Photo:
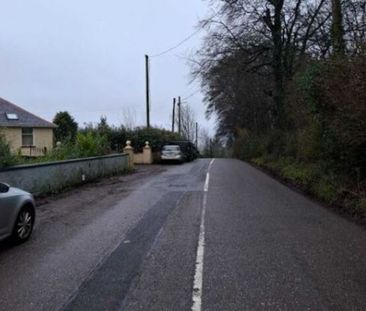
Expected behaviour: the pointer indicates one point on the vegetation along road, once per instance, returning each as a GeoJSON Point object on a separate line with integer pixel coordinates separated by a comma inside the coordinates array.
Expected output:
{"type": "Point", "coordinates": [208, 235]}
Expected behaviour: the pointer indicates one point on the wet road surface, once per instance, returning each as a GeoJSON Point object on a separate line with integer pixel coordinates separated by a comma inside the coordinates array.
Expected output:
{"type": "Point", "coordinates": [233, 239]}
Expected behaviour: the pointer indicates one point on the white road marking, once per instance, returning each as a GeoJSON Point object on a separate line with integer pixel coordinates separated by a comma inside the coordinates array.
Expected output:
{"type": "Point", "coordinates": [198, 276]}
{"type": "Point", "coordinates": [209, 166]}
{"type": "Point", "coordinates": [205, 187]}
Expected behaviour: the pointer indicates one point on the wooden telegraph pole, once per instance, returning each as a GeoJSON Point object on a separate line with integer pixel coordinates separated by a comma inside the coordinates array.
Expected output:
{"type": "Point", "coordinates": [179, 116]}
{"type": "Point", "coordinates": [147, 91]}
{"type": "Point", "coordinates": [173, 118]}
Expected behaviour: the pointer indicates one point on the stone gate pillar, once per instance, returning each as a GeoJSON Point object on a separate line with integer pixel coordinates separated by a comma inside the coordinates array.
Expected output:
{"type": "Point", "coordinates": [147, 154]}
{"type": "Point", "coordinates": [129, 150]}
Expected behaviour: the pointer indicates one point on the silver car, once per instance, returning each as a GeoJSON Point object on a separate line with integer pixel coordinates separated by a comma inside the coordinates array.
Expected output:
{"type": "Point", "coordinates": [172, 153]}
{"type": "Point", "coordinates": [17, 214]}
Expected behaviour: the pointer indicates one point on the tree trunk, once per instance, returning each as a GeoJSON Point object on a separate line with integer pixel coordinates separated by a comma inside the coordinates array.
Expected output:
{"type": "Point", "coordinates": [337, 28]}
{"type": "Point", "coordinates": [275, 24]}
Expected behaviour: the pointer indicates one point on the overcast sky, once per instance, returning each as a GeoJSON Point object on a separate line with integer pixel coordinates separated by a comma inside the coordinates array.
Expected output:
{"type": "Point", "coordinates": [87, 57]}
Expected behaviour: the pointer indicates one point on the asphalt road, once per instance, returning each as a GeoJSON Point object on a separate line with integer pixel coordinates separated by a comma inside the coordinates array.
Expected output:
{"type": "Point", "coordinates": [233, 239]}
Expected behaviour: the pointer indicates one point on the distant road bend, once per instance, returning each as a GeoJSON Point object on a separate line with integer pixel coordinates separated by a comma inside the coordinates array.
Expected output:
{"type": "Point", "coordinates": [208, 235]}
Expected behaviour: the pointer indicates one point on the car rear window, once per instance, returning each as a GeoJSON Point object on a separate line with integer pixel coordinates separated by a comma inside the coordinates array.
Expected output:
{"type": "Point", "coordinates": [171, 148]}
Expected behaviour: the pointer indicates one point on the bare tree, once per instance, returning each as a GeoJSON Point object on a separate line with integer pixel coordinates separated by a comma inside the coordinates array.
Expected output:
{"type": "Point", "coordinates": [254, 48]}
{"type": "Point", "coordinates": [204, 141]}
{"type": "Point", "coordinates": [273, 37]}
{"type": "Point", "coordinates": [188, 122]}
{"type": "Point", "coordinates": [129, 118]}
{"type": "Point", "coordinates": [355, 26]}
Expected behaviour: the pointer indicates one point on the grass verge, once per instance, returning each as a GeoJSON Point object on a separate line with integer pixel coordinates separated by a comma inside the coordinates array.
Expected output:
{"type": "Point", "coordinates": [336, 190]}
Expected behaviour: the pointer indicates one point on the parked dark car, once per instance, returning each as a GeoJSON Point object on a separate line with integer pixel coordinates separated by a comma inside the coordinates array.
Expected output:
{"type": "Point", "coordinates": [17, 214]}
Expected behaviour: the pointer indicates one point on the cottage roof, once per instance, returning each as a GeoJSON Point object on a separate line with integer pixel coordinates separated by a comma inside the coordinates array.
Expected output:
{"type": "Point", "coordinates": [13, 116]}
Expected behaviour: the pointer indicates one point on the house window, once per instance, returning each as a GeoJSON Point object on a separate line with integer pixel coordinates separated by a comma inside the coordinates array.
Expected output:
{"type": "Point", "coordinates": [27, 136]}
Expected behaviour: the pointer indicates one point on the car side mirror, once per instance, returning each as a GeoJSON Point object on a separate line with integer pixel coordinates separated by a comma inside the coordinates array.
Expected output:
{"type": "Point", "coordinates": [4, 188]}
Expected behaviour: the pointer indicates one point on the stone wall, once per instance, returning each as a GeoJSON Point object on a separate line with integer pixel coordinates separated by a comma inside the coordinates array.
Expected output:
{"type": "Point", "coordinates": [54, 176]}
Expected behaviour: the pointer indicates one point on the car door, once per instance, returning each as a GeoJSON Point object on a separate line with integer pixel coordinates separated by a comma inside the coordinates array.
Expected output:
{"type": "Point", "coordinates": [7, 206]}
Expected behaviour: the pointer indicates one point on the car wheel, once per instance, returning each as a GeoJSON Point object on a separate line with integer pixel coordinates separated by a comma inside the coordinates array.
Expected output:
{"type": "Point", "coordinates": [24, 225]}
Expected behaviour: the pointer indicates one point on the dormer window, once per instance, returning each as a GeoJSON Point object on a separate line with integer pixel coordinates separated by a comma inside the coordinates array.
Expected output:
{"type": "Point", "coordinates": [12, 116]}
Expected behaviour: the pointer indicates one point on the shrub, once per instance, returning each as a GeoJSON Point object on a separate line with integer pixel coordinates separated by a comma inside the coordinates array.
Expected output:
{"type": "Point", "coordinates": [309, 142]}
{"type": "Point", "coordinates": [6, 158]}
{"type": "Point", "coordinates": [276, 143]}
{"type": "Point", "coordinates": [117, 136]}
{"type": "Point", "coordinates": [248, 146]}
{"type": "Point", "coordinates": [155, 136]}
{"type": "Point", "coordinates": [343, 91]}
{"type": "Point", "coordinates": [91, 144]}
{"type": "Point", "coordinates": [88, 144]}
{"type": "Point", "coordinates": [328, 109]}
{"type": "Point", "coordinates": [326, 191]}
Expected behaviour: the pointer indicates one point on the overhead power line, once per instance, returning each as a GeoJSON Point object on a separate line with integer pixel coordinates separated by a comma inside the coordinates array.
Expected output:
{"type": "Point", "coordinates": [178, 45]}
{"type": "Point", "coordinates": [191, 95]}
{"type": "Point", "coordinates": [185, 39]}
